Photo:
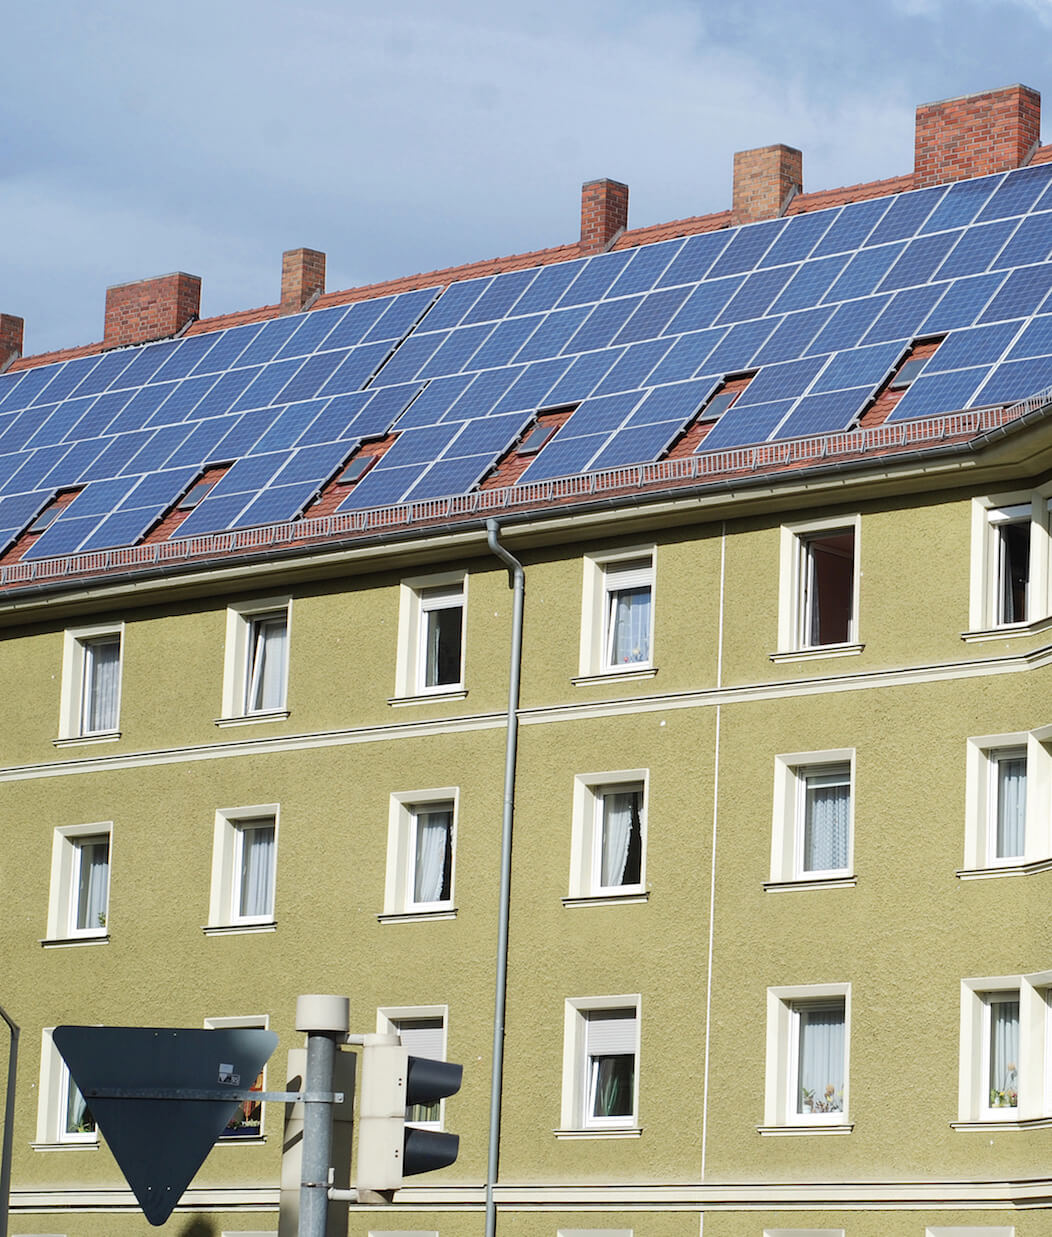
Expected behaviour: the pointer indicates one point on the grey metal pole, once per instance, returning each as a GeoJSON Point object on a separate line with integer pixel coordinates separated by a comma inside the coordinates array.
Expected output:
{"type": "Point", "coordinates": [9, 1123]}
{"type": "Point", "coordinates": [325, 1019]}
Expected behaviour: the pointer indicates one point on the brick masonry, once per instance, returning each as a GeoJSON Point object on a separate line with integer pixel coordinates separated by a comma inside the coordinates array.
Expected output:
{"type": "Point", "coordinates": [765, 181]}
{"type": "Point", "coordinates": [976, 135]}
{"type": "Point", "coordinates": [11, 329]}
{"type": "Point", "coordinates": [604, 213]}
{"type": "Point", "coordinates": [302, 278]}
{"type": "Point", "coordinates": [151, 308]}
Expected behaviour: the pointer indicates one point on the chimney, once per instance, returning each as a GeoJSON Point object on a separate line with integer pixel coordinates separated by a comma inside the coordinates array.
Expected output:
{"type": "Point", "coordinates": [976, 135]}
{"type": "Point", "coordinates": [151, 308]}
{"type": "Point", "coordinates": [10, 339]}
{"type": "Point", "coordinates": [302, 278]}
{"type": "Point", "coordinates": [765, 181]}
{"type": "Point", "coordinates": [604, 213]}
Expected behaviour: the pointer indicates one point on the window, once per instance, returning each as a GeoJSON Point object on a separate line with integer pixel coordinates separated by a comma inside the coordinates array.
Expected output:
{"type": "Point", "coordinates": [600, 1069]}
{"type": "Point", "coordinates": [423, 1032]}
{"type": "Point", "coordinates": [91, 683]}
{"type": "Point", "coordinates": [255, 682]}
{"type": "Point", "coordinates": [80, 883]}
{"type": "Point", "coordinates": [908, 373]}
{"type": "Point", "coordinates": [807, 1057]}
{"type": "Point", "coordinates": [812, 839]}
{"type": "Point", "coordinates": [420, 853]}
{"type": "Point", "coordinates": [62, 1114]}
{"type": "Point", "coordinates": [819, 586]}
{"type": "Point", "coordinates": [1010, 561]}
{"type": "Point", "coordinates": [247, 1122]}
{"type": "Point", "coordinates": [243, 868]}
{"type": "Point", "coordinates": [617, 632]}
{"type": "Point", "coordinates": [609, 836]}
{"type": "Point", "coordinates": [1008, 808]}
{"type": "Point", "coordinates": [431, 637]}
{"type": "Point", "coordinates": [1006, 1058]}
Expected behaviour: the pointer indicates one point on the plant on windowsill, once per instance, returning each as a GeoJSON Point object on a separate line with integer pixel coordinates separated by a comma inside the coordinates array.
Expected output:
{"type": "Point", "coordinates": [831, 1100]}
{"type": "Point", "coordinates": [102, 919]}
{"type": "Point", "coordinates": [1008, 1096]}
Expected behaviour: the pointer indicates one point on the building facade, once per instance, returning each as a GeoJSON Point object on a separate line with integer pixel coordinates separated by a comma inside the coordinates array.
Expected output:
{"type": "Point", "coordinates": [778, 959]}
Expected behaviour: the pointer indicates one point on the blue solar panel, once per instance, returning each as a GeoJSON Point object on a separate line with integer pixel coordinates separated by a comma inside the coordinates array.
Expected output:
{"type": "Point", "coordinates": [242, 435]}
{"type": "Point", "coordinates": [356, 324]}
{"type": "Point", "coordinates": [202, 442]}
{"type": "Point", "coordinates": [686, 356]}
{"type": "Point", "coordinates": [420, 446]}
{"type": "Point", "coordinates": [704, 303]}
{"type": "Point", "coordinates": [291, 423]}
{"type": "Point", "coordinates": [250, 473]}
{"type": "Point", "coordinates": [156, 449]}
{"type": "Point", "coordinates": [358, 367]}
{"type": "Point", "coordinates": [824, 414]}
{"type": "Point", "coordinates": [270, 340]}
{"type": "Point", "coordinates": [1021, 294]}
{"type": "Point", "coordinates": [1031, 242]}
{"type": "Point", "coordinates": [749, 425]}
{"type": "Point", "coordinates": [757, 294]}
{"type": "Point", "coordinates": [651, 318]}
{"type": "Point", "coordinates": [931, 394]}
{"type": "Point", "coordinates": [677, 401]}
{"type": "Point", "coordinates": [435, 401]}
{"type": "Point", "coordinates": [507, 338]}
{"type": "Point", "coordinates": [1015, 380]}
{"type": "Point", "coordinates": [582, 377]}
{"type": "Point", "coordinates": [121, 528]}
{"type": "Point", "coordinates": [919, 261]}
{"type": "Point", "coordinates": [852, 226]}
{"type": "Point", "coordinates": [860, 367]}
{"type": "Point", "coordinates": [905, 215]}
{"type": "Point", "coordinates": [500, 296]}
{"type": "Point", "coordinates": [276, 505]}
{"type": "Point", "coordinates": [218, 398]}
{"type": "Point", "coordinates": [63, 537]}
{"type": "Point", "coordinates": [71, 468]}
{"type": "Point", "coordinates": [961, 204]}
{"type": "Point", "coordinates": [636, 444]}
{"type": "Point", "coordinates": [739, 346]}
{"type": "Point", "coordinates": [801, 235]}
{"type": "Point", "coordinates": [1019, 191]}
{"type": "Point", "coordinates": [312, 375]}
{"type": "Point", "coordinates": [121, 449]}
{"type": "Point", "coordinates": [62, 419]}
{"type": "Point", "coordinates": [791, 338]}
{"type": "Point", "coordinates": [98, 498]}
{"type": "Point", "coordinates": [809, 284]}
{"type": "Point", "coordinates": [902, 318]}
{"type": "Point", "coordinates": [141, 408]}
{"type": "Point", "coordinates": [23, 393]}
{"type": "Point", "coordinates": [106, 412]}
{"type": "Point", "coordinates": [19, 509]}
{"type": "Point", "coordinates": [315, 464]}
{"type": "Point", "coordinates": [695, 257]}
{"type": "Point", "coordinates": [160, 489]}
{"type": "Point", "coordinates": [8, 382]}
{"type": "Point", "coordinates": [775, 382]}
{"type": "Point", "coordinates": [184, 398]}
{"type": "Point", "coordinates": [1036, 340]}
{"type": "Point", "coordinates": [455, 351]}
{"type": "Point", "coordinates": [562, 457]}
{"type": "Point", "coordinates": [454, 303]}
{"type": "Point", "coordinates": [530, 389]}
{"type": "Point", "coordinates": [382, 486]}
{"type": "Point", "coordinates": [225, 353]}
{"type": "Point", "coordinates": [20, 430]}
{"type": "Point", "coordinates": [551, 336]}
{"type": "Point", "coordinates": [646, 267]}
{"type": "Point", "coordinates": [146, 363]}
{"type": "Point", "coordinates": [453, 476]}
{"type": "Point", "coordinates": [408, 358]}
{"type": "Point", "coordinates": [595, 277]}
{"type": "Point", "coordinates": [380, 413]}
{"type": "Point", "coordinates": [105, 373]}
{"type": "Point", "coordinates": [747, 248]}
{"type": "Point", "coordinates": [482, 396]}
{"type": "Point", "coordinates": [212, 515]}
{"type": "Point", "coordinates": [488, 435]}
{"type": "Point", "coordinates": [602, 324]}
{"type": "Point", "coordinates": [975, 346]}
{"type": "Point", "coordinates": [547, 288]}
{"type": "Point", "coordinates": [600, 415]}
{"type": "Point", "coordinates": [184, 358]}
{"type": "Point", "coordinates": [962, 303]}
{"type": "Point", "coordinates": [65, 380]}
{"type": "Point", "coordinates": [864, 271]}
{"type": "Point", "coordinates": [976, 249]}
{"type": "Point", "coordinates": [263, 389]}
{"type": "Point", "coordinates": [313, 328]}
{"type": "Point", "coordinates": [634, 366]}
{"type": "Point", "coordinates": [402, 313]}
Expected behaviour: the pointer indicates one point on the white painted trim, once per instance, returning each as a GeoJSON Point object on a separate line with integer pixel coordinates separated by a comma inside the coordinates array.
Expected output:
{"type": "Point", "coordinates": [409, 668]}
{"type": "Point", "coordinates": [398, 905]}
{"type": "Point", "coordinates": [792, 565]}
{"type": "Point", "coordinates": [593, 664]}
{"type": "Point", "coordinates": [573, 1102]}
{"type": "Point", "coordinates": [222, 904]}
{"type": "Point", "coordinates": [779, 1104]}
{"type": "Point", "coordinates": [71, 701]}
{"type": "Point", "coordinates": [64, 884]}
{"type": "Point", "coordinates": [586, 833]}
{"type": "Point", "coordinates": [398, 702]}
{"type": "Point", "coordinates": [790, 771]}
{"type": "Point", "coordinates": [239, 618]}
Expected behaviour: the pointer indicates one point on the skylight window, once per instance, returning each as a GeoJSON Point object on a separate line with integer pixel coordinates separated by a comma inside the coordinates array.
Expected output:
{"type": "Point", "coordinates": [535, 439]}
{"type": "Point", "coordinates": [195, 494]}
{"type": "Point", "coordinates": [718, 405]}
{"type": "Point", "coordinates": [356, 469]}
{"type": "Point", "coordinates": [44, 520]}
{"type": "Point", "coordinates": [908, 373]}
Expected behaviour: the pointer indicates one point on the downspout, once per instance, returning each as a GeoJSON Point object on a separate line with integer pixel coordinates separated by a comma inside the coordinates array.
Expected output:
{"type": "Point", "coordinates": [516, 581]}
{"type": "Point", "coordinates": [9, 1124]}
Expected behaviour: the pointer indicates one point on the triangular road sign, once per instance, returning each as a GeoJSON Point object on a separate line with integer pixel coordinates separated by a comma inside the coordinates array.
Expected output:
{"type": "Point", "coordinates": [160, 1144]}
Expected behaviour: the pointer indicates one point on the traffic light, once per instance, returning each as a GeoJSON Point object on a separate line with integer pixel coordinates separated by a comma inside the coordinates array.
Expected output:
{"type": "Point", "coordinates": [392, 1083]}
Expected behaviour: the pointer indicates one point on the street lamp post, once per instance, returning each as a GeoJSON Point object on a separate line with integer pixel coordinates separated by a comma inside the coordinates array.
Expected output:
{"type": "Point", "coordinates": [9, 1121]}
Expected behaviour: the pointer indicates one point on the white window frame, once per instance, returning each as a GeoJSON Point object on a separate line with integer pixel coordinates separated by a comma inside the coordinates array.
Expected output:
{"type": "Point", "coordinates": [989, 515]}
{"type": "Point", "coordinates": [1034, 1067]}
{"type": "Point", "coordinates": [417, 597]}
{"type": "Point", "coordinates": [587, 837]}
{"type": "Point", "coordinates": [256, 1022]}
{"type": "Point", "coordinates": [983, 754]}
{"type": "Point", "coordinates": [241, 618]}
{"type": "Point", "coordinates": [399, 882]}
{"type": "Point", "coordinates": [576, 1123]}
{"type": "Point", "coordinates": [604, 575]}
{"type": "Point", "coordinates": [791, 771]}
{"type": "Point", "coordinates": [389, 1021]}
{"type": "Point", "coordinates": [66, 879]}
{"type": "Point", "coordinates": [53, 1101]}
{"type": "Point", "coordinates": [784, 1005]}
{"type": "Point", "coordinates": [794, 596]}
{"type": "Point", "coordinates": [224, 914]}
{"type": "Point", "coordinates": [76, 662]}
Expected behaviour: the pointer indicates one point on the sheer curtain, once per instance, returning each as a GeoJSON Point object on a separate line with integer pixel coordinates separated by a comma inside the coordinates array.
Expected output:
{"type": "Point", "coordinates": [431, 861]}
{"type": "Point", "coordinates": [820, 1078]}
{"type": "Point", "coordinates": [78, 1116]}
{"type": "Point", "coordinates": [827, 813]}
{"type": "Point", "coordinates": [102, 660]}
{"type": "Point", "coordinates": [94, 883]}
{"type": "Point", "coordinates": [257, 869]}
{"type": "Point", "coordinates": [1004, 1053]}
{"type": "Point", "coordinates": [620, 854]}
{"type": "Point", "coordinates": [1011, 806]}
{"type": "Point", "coordinates": [630, 625]}
{"type": "Point", "coordinates": [266, 687]}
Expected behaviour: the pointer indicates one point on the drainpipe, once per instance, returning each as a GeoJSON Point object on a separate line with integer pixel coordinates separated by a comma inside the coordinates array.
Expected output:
{"type": "Point", "coordinates": [516, 581]}
{"type": "Point", "coordinates": [9, 1123]}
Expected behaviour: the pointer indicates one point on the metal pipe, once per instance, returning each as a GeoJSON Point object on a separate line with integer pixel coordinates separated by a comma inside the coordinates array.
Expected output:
{"type": "Point", "coordinates": [9, 1123]}
{"type": "Point", "coordinates": [516, 581]}
{"type": "Point", "coordinates": [317, 1136]}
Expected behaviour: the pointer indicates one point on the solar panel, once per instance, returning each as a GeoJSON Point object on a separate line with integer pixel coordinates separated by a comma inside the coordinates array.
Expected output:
{"type": "Point", "coordinates": [696, 255]}
{"type": "Point", "coordinates": [500, 296]}
{"type": "Point", "coordinates": [635, 363]}
{"type": "Point", "coordinates": [315, 464]}
{"type": "Point", "coordinates": [357, 368]}
{"type": "Point", "coordinates": [531, 388]}
{"type": "Point", "coordinates": [595, 277]}
{"type": "Point", "coordinates": [976, 249]}
{"type": "Point", "coordinates": [63, 537]}
{"type": "Point", "coordinates": [290, 425]}
{"type": "Point", "coordinates": [1015, 380]}
{"type": "Point", "coordinates": [740, 427]}
{"type": "Point", "coordinates": [747, 248]}
{"type": "Point", "coordinates": [121, 528]}
{"type": "Point", "coordinates": [602, 324]}
{"type": "Point", "coordinates": [1017, 193]}
{"type": "Point", "coordinates": [551, 336]}
{"type": "Point", "coordinates": [798, 239]}
{"type": "Point", "coordinates": [739, 346]}
{"type": "Point", "coordinates": [64, 381]}
{"type": "Point", "coordinates": [864, 271]}
{"type": "Point", "coordinates": [356, 324]}
{"type": "Point", "coordinates": [1035, 340]}
{"type": "Point", "coordinates": [490, 436]}
{"type": "Point", "coordinates": [506, 339]}
{"type": "Point", "coordinates": [382, 487]}
{"type": "Point", "coordinates": [600, 415]}
{"type": "Point", "coordinates": [828, 413]}
{"type": "Point", "coordinates": [455, 351]}
{"type": "Point", "coordinates": [791, 337]}
{"type": "Point", "coordinates": [775, 382]}
{"type": "Point", "coordinates": [270, 340]}
{"type": "Point", "coordinates": [932, 394]}
{"type": "Point", "coordinates": [454, 302]}
{"type": "Point", "coordinates": [686, 356]}
{"type": "Point", "coordinates": [646, 266]}
{"type": "Point", "coordinates": [312, 375]}
{"type": "Point", "coordinates": [852, 226]}
{"type": "Point", "coordinates": [676, 402]}
{"type": "Point", "coordinates": [1021, 294]}
{"type": "Point", "coordinates": [452, 476]}
{"type": "Point", "coordinates": [400, 315]}
{"type": "Point", "coordinates": [757, 294]}
{"type": "Point", "coordinates": [312, 330]}
{"type": "Point", "coordinates": [225, 353]}
{"type": "Point", "coordinates": [902, 318]}
{"type": "Point", "coordinates": [105, 373]}
{"type": "Point", "coordinates": [973, 346]}
{"type": "Point", "coordinates": [905, 215]}
{"type": "Point", "coordinates": [961, 303]}
{"type": "Point", "coordinates": [562, 457]}
{"type": "Point", "coordinates": [277, 504]}
{"type": "Point", "coordinates": [1031, 242]}
{"type": "Point", "coordinates": [809, 284]}
{"type": "Point", "coordinates": [860, 367]}
{"type": "Point", "coordinates": [918, 261]}
{"type": "Point", "coordinates": [962, 203]}
{"type": "Point", "coordinates": [704, 304]}
{"type": "Point", "coordinates": [637, 444]}
{"type": "Point", "coordinates": [546, 289]}
{"type": "Point", "coordinates": [652, 316]}
{"type": "Point", "coordinates": [213, 515]}
{"type": "Point", "coordinates": [483, 393]}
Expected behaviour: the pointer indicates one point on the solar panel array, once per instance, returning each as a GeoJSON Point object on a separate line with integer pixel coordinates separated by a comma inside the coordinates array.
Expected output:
{"type": "Point", "coordinates": [822, 306]}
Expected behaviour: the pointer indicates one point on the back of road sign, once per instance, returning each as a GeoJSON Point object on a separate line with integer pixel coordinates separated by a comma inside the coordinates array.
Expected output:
{"type": "Point", "coordinates": [160, 1144]}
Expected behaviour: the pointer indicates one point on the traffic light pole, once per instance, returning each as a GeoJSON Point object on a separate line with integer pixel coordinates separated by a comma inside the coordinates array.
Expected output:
{"type": "Point", "coordinates": [326, 1020]}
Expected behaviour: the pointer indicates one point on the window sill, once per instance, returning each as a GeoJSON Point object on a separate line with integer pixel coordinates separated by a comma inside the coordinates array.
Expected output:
{"type": "Point", "coordinates": [819, 651]}
{"type": "Point", "coordinates": [241, 1140]}
{"type": "Point", "coordinates": [1007, 631]}
{"type": "Point", "coordinates": [628, 674]}
{"type": "Point", "coordinates": [65, 942]}
{"type": "Point", "coordinates": [817, 882]}
{"type": "Point", "coordinates": [86, 1145]}
{"type": "Point", "coordinates": [1022, 868]}
{"type": "Point", "coordinates": [992, 1125]}
{"type": "Point", "coordinates": [633, 1131]}
{"type": "Point", "coordinates": [237, 929]}
{"type": "Point", "coordinates": [251, 719]}
{"type": "Point", "coordinates": [448, 912]}
{"type": "Point", "coordinates": [451, 694]}
{"type": "Point", "coordinates": [779, 1131]}
{"type": "Point", "coordinates": [609, 899]}
{"type": "Point", "coordinates": [84, 740]}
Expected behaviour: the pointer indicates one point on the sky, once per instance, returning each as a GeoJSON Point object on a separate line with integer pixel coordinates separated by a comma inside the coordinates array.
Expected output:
{"type": "Point", "coordinates": [210, 135]}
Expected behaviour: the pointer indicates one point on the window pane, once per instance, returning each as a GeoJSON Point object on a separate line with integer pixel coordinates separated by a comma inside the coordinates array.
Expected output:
{"type": "Point", "coordinates": [102, 660]}
{"type": "Point", "coordinates": [257, 869]}
{"type": "Point", "coordinates": [611, 1085]}
{"type": "Point", "coordinates": [829, 583]}
{"type": "Point", "coordinates": [78, 1115]}
{"type": "Point", "coordinates": [827, 811]}
{"type": "Point", "coordinates": [432, 855]}
{"type": "Point", "coordinates": [93, 882]}
{"type": "Point", "coordinates": [621, 852]}
{"type": "Point", "coordinates": [820, 1067]}
{"type": "Point", "coordinates": [1013, 551]}
{"type": "Point", "coordinates": [423, 1037]}
{"type": "Point", "coordinates": [1011, 807]}
{"type": "Point", "coordinates": [443, 645]}
{"type": "Point", "coordinates": [629, 625]}
{"type": "Point", "coordinates": [268, 645]}
{"type": "Point", "coordinates": [1004, 1053]}
{"type": "Point", "coordinates": [247, 1121]}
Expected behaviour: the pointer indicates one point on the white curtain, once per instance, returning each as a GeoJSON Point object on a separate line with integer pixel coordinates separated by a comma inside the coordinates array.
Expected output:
{"type": "Point", "coordinates": [266, 688]}
{"type": "Point", "coordinates": [630, 625]}
{"type": "Point", "coordinates": [826, 821]}
{"type": "Point", "coordinates": [1004, 1053]}
{"type": "Point", "coordinates": [820, 1080]}
{"type": "Point", "coordinates": [78, 1117]}
{"type": "Point", "coordinates": [94, 883]}
{"type": "Point", "coordinates": [257, 869]}
{"type": "Point", "coordinates": [430, 881]}
{"type": "Point", "coordinates": [1011, 807]}
{"type": "Point", "coordinates": [620, 818]}
{"type": "Point", "coordinates": [102, 661]}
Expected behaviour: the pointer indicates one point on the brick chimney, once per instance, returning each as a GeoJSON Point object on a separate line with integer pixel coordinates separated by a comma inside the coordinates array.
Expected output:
{"type": "Point", "coordinates": [151, 308]}
{"type": "Point", "coordinates": [604, 213]}
{"type": "Point", "coordinates": [10, 339]}
{"type": "Point", "coordinates": [302, 278]}
{"type": "Point", "coordinates": [976, 135]}
{"type": "Point", "coordinates": [765, 181]}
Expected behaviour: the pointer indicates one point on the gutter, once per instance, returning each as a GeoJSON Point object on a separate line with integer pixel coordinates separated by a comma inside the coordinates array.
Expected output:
{"type": "Point", "coordinates": [516, 581]}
